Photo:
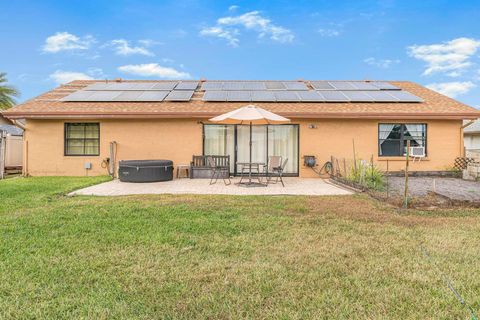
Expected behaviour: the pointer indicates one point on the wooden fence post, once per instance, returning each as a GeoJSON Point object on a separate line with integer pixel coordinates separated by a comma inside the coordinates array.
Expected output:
{"type": "Point", "coordinates": [387, 179]}
{"type": "Point", "coordinates": [405, 195]}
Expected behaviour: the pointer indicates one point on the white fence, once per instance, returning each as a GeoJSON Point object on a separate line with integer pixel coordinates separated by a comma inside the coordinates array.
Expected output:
{"type": "Point", "coordinates": [11, 152]}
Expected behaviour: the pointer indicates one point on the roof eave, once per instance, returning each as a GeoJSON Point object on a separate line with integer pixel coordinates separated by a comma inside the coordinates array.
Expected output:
{"type": "Point", "coordinates": [201, 115]}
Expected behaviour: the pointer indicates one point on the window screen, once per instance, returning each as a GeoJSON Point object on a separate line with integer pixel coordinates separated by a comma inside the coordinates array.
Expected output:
{"type": "Point", "coordinates": [82, 139]}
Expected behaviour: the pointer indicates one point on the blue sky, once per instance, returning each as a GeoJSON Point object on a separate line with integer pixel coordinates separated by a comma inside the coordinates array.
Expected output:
{"type": "Point", "coordinates": [435, 43]}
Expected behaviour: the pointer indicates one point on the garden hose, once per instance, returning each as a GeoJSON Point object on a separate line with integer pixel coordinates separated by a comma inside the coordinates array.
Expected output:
{"type": "Point", "coordinates": [326, 168]}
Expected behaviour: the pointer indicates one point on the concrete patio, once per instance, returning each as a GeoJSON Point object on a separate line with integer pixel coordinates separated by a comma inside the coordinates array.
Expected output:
{"type": "Point", "coordinates": [293, 186]}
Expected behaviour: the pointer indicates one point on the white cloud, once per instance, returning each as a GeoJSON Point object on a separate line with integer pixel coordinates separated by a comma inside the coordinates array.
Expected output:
{"type": "Point", "coordinates": [97, 73]}
{"type": "Point", "coordinates": [227, 28]}
{"type": "Point", "coordinates": [451, 57]}
{"type": "Point", "coordinates": [452, 89]}
{"type": "Point", "coordinates": [64, 41]}
{"type": "Point", "coordinates": [123, 48]}
{"type": "Point", "coordinates": [154, 70]}
{"type": "Point", "coordinates": [381, 63]}
{"type": "Point", "coordinates": [219, 32]}
{"type": "Point", "coordinates": [328, 33]}
{"type": "Point", "coordinates": [233, 8]}
{"type": "Point", "coordinates": [61, 76]}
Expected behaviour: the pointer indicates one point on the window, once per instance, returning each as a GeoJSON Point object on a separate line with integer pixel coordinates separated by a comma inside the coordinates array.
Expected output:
{"type": "Point", "coordinates": [82, 139]}
{"type": "Point", "coordinates": [393, 137]}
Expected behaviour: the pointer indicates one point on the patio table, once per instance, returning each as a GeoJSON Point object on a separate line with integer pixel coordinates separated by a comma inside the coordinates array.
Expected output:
{"type": "Point", "coordinates": [251, 166]}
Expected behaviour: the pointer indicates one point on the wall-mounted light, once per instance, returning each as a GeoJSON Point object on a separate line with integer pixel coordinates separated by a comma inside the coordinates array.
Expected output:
{"type": "Point", "coordinates": [312, 126]}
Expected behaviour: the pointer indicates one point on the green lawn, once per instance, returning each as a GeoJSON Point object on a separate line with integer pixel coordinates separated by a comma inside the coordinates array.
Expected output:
{"type": "Point", "coordinates": [197, 257]}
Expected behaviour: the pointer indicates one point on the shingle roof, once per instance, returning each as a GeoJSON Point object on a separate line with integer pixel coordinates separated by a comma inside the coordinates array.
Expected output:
{"type": "Point", "coordinates": [473, 128]}
{"type": "Point", "coordinates": [11, 129]}
{"type": "Point", "coordinates": [435, 106]}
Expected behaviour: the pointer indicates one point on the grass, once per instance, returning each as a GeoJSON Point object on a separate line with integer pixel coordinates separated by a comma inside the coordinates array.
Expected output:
{"type": "Point", "coordinates": [196, 257]}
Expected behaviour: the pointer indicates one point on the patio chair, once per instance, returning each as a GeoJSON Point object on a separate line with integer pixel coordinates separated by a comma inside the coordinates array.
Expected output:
{"type": "Point", "coordinates": [277, 169]}
{"type": "Point", "coordinates": [218, 171]}
{"type": "Point", "coordinates": [273, 162]}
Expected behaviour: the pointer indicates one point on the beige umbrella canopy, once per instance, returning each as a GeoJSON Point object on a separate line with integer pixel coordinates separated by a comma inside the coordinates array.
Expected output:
{"type": "Point", "coordinates": [250, 115]}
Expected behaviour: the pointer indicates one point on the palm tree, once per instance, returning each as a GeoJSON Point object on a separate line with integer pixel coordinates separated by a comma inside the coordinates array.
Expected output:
{"type": "Point", "coordinates": [7, 93]}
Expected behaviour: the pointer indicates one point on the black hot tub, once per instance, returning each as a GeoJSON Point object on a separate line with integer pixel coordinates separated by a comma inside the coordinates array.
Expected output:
{"type": "Point", "coordinates": [145, 170]}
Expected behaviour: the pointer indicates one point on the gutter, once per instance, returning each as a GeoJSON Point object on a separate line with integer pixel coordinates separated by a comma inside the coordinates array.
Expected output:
{"type": "Point", "coordinates": [18, 124]}
{"type": "Point", "coordinates": [468, 124]}
{"type": "Point", "coordinates": [297, 115]}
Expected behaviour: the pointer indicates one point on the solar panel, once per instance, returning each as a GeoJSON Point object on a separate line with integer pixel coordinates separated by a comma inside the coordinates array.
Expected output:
{"type": "Point", "coordinates": [357, 96]}
{"type": "Point", "coordinates": [152, 96]}
{"type": "Point", "coordinates": [117, 86]}
{"type": "Point", "coordinates": [342, 85]}
{"type": "Point", "coordinates": [383, 85]}
{"type": "Point", "coordinates": [97, 86]}
{"type": "Point", "coordinates": [404, 96]}
{"type": "Point", "coordinates": [232, 85]}
{"type": "Point", "coordinates": [381, 96]}
{"type": "Point", "coordinates": [215, 96]}
{"type": "Point", "coordinates": [128, 96]}
{"type": "Point", "coordinates": [78, 96]}
{"type": "Point", "coordinates": [254, 85]}
{"type": "Point", "coordinates": [321, 85]}
{"type": "Point", "coordinates": [295, 85]}
{"type": "Point", "coordinates": [363, 85]}
{"type": "Point", "coordinates": [275, 85]}
{"type": "Point", "coordinates": [334, 96]}
{"type": "Point", "coordinates": [286, 96]}
{"type": "Point", "coordinates": [310, 96]}
{"type": "Point", "coordinates": [165, 85]}
{"type": "Point", "coordinates": [179, 95]}
{"type": "Point", "coordinates": [239, 95]}
{"type": "Point", "coordinates": [187, 85]}
{"type": "Point", "coordinates": [263, 96]}
{"type": "Point", "coordinates": [103, 96]}
{"type": "Point", "coordinates": [212, 85]}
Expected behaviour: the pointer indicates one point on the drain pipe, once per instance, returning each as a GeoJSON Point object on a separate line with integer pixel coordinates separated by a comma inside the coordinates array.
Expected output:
{"type": "Point", "coordinates": [113, 158]}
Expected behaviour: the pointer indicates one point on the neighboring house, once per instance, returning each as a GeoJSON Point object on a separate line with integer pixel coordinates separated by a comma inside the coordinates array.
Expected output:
{"type": "Point", "coordinates": [471, 135]}
{"type": "Point", "coordinates": [9, 127]}
{"type": "Point", "coordinates": [72, 126]}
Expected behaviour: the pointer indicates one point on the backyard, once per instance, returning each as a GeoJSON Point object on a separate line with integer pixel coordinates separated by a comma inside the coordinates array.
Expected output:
{"type": "Point", "coordinates": [207, 256]}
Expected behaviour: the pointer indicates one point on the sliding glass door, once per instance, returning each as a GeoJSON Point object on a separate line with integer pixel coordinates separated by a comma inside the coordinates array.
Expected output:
{"type": "Point", "coordinates": [283, 141]}
{"type": "Point", "coordinates": [271, 140]}
{"type": "Point", "coordinates": [259, 144]}
{"type": "Point", "coordinates": [219, 140]}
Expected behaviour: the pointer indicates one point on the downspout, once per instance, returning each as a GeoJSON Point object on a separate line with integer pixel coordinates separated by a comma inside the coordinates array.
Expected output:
{"type": "Point", "coordinates": [462, 139]}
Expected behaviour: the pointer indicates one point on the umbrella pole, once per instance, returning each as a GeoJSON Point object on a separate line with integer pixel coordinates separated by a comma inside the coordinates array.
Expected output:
{"type": "Point", "coordinates": [250, 160]}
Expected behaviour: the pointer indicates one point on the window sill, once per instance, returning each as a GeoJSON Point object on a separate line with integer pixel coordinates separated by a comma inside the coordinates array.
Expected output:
{"type": "Point", "coordinates": [400, 159]}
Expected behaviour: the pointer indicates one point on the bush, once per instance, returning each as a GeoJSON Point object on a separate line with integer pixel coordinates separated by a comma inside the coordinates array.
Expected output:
{"type": "Point", "coordinates": [366, 175]}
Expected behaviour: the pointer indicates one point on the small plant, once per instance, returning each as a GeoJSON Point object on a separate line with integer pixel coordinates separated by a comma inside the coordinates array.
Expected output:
{"type": "Point", "coordinates": [454, 171]}
{"type": "Point", "coordinates": [366, 175]}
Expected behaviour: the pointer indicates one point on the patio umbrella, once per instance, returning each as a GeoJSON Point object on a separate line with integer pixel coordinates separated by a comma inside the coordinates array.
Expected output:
{"type": "Point", "coordinates": [251, 115]}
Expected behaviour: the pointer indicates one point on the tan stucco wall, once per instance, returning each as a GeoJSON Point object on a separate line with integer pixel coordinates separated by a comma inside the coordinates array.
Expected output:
{"type": "Point", "coordinates": [178, 140]}
{"type": "Point", "coordinates": [335, 137]}
{"type": "Point", "coordinates": [175, 140]}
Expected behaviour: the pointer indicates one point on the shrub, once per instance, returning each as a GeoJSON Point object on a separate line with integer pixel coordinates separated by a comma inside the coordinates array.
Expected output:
{"type": "Point", "coordinates": [366, 175]}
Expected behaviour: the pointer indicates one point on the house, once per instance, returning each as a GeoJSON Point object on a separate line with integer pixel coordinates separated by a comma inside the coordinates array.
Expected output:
{"type": "Point", "coordinates": [70, 130]}
{"type": "Point", "coordinates": [9, 127]}
{"type": "Point", "coordinates": [471, 136]}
